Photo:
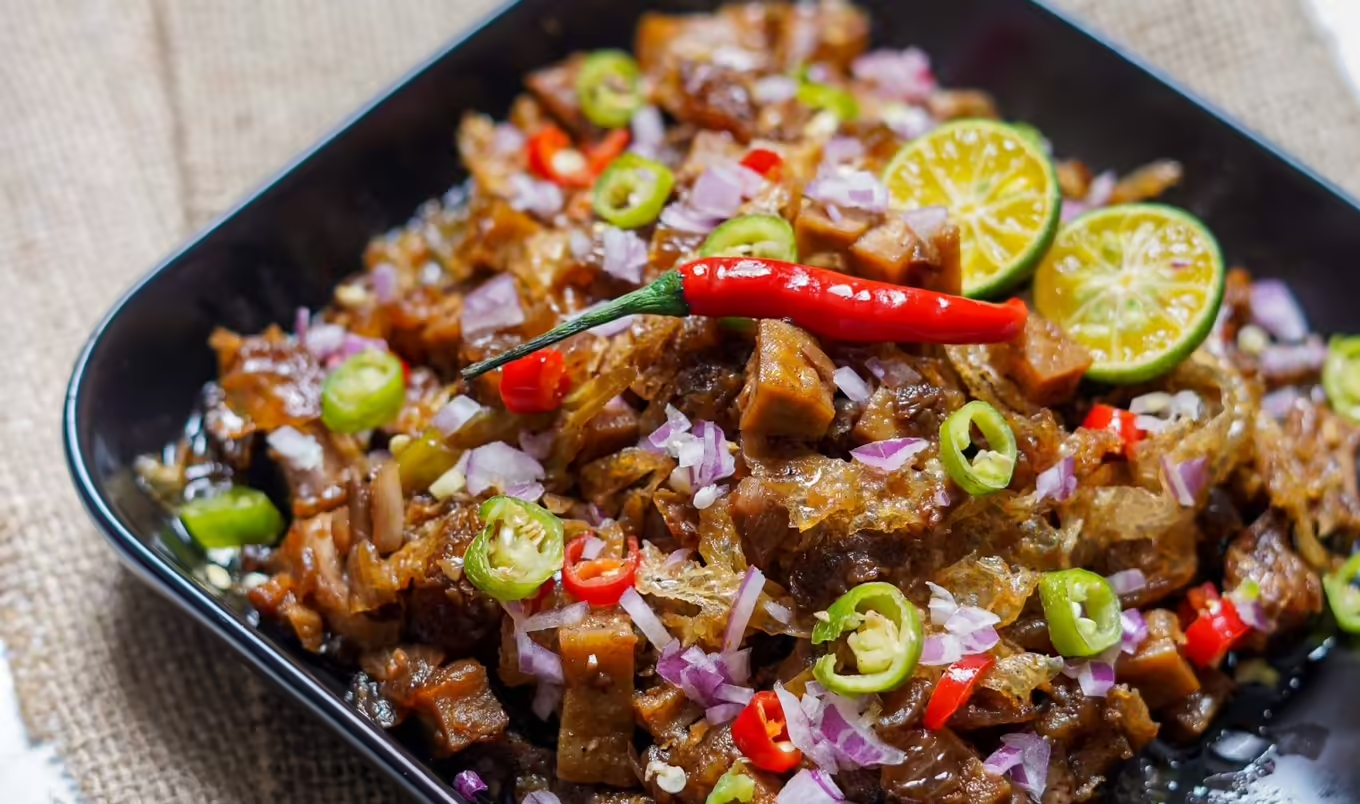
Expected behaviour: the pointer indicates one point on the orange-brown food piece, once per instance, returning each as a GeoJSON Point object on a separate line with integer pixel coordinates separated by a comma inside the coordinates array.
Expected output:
{"type": "Point", "coordinates": [597, 707]}
{"type": "Point", "coordinates": [457, 705]}
{"type": "Point", "coordinates": [1044, 362]}
{"type": "Point", "coordinates": [1158, 670]}
{"type": "Point", "coordinates": [789, 386]}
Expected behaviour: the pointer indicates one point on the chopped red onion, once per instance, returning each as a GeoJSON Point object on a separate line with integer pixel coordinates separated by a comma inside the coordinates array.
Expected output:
{"type": "Point", "coordinates": [717, 462]}
{"type": "Point", "coordinates": [1280, 361]}
{"type": "Point", "coordinates": [810, 787]}
{"type": "Point", "coordinates": [625, 255]}
{"type": "Point", "coordinates": [779, 612]}
{"type": "Point", "coordinates": [676, 558]}
{"type": "Point", "coordinates": [546, 699]}
{"type": "Point", "coordinates": [706, 496]}
{"type": "Point", "coordinates": [541, 797]}
{"type": "Point", "coordinates": [1274, 309]}
{"type": "Point", "coordinates": [1058, 482]}
{"type": "Point", "coordinates": [645, 619]}
{"type": "Point", "coordinates": [556, 618]}
{"type": "Point", "coordinates": [514, 608]}
{"type": "Point", "coordinates": [967, 619]}
{"type": "Point", "coordinates": [855, 189]}
{"type": "Point", "coordinates": [501, 466]}
{"type": "Point", "coordinates": [1135, 630]}
{"type": "Point", "coordinates": [385, 282]}
{"type": "Point", "coordinates": [536, 660]}
{"type": "Point", "coordinates": [897, 74]}
{"type": "Point", "coordinates": [1002, 760]}
{"type": "Point", "coordinates": [892, 372]}
{"type": "Point", "coordinates": [495, 305]}
{"type": "Point", "coordinates": [458, 412]}
{"type": "Point", "coordinates": [540, 198]}
{"type": "Point", "coordinates": [723, 713]}
{"type": "Point", "coordinates": [324, 340]}
{"type": "Point", "coordinates": [1279, 402]}
{"type": "Point", "coordinates": [834, 213]}
{"type": "Point", "coordinates": [1251, 611]}
{"type": "Point", "coordinates": [664, 438]}
{"type": "Point", "coordinates": [468, 784]}
{"type": "Point", "coordinates": [941, 649]}
{"type": "Point", "coordinates": [649, 131]}
{"type": "Point", "coordinates": [1185, 479]}
{"type": "Point", "coordinates": [592, 548]}
{"type": "Point", "coordinates": [302, 320]}
{"type": "Point", "coordinates": [1101, 189]}
{"type": "Point", "coordinates": [774, 89]}
{"type": "Point", "coordinates": [537, 445]}
{"type": "Point", "coordinates": [680, 216]}
{"type": "Point", "coordinates": [1126, 582]}
{"type": "Point", "coordinates": [852, 385]}
{"type": "Point", "coordinates": [856, 744]}
{"type": "Point", "coordinates": [839, 150]}
{"type": "Point", "coordinates": [357, 344]}
{"type": "Point", "coordinates": [907, 122]}
{"type": "Point", "coordinates": [979, 641]}
{"type": "Point", "coordinates": [1094, 677]}
{"type": "Point", "coordinates": [890, 454]}
{"type": "Point", "coordinates": [743, 606]}
{"type": "Point", "coordinates": [298, 450]}
{"type": "Point", "coordinates": [942, 604]}
{"type": "Point", "coordinates": [581, 245]}
{"type": "Point", "coordinates": [1031, 773]}
{"type": "Point", "coordinates": [717, 193]}
{"type": "Point", "coordinates": [699, 675]}
{"type": "Point", "coordinates": [737, 665]}
{"type": "Point", "coordinates": [529, 492]}
{"type": "Point", "coordinates": [926, 222]}
{"type": "Point", "coordinates": [507, 139]}
{"type": "Point", "coordinates": [801, 731]}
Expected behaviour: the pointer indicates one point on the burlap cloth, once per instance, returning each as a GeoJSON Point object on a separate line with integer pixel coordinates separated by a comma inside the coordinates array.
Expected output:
{"type": "Point", "coordinates": [124, 126]}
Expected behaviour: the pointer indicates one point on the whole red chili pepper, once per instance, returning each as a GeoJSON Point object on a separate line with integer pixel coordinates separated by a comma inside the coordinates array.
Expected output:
{"type": "Point", "coordinates": [826, 303]}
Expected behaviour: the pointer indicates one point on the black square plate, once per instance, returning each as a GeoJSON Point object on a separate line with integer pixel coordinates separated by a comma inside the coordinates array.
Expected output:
{"type": "Point", "coordinates": [289, 243]}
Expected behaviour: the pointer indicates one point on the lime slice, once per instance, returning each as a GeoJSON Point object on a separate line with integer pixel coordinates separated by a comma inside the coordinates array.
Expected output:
{"type": "Point", "coordinates": [1139, 285]}
{"type": "Point", "coordinates": [1001, 191]}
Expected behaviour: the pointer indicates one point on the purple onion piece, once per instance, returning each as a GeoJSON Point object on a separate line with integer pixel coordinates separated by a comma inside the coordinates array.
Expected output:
{"type": "Point", "coordinates": [891, 454]}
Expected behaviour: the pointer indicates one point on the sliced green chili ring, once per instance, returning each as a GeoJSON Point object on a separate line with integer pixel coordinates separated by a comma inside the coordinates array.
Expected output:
{"type": "Point", "coordinates": [1341, 376]}
{"type": "Point", "coordinates": [884, 635]}
{"type": "Point", "coordinates": [1343, 594]}
{"type": "Point", "coordinates": [990, 469]}
{"type": "Point", "coordinates": [732, 786]}
{"type": "Point", "coordinates": [236, 517]}
{"type": "Point", "coordinates": [1082, 611]}
{"type": "Point", "coordinates": [609, 87]}
{"type": "Point", "coordinates": [364, 392]}
{"type": "Point", "coordinates": [425, 460]}
{"type": "Point", "coordinates": [632, 191]}
{"type": "Point", "coordinates": [768, 237]}
{"type": "Point", "coordinates": [517, 551]}
{"type": "Point", "coordinates": [833, 99]}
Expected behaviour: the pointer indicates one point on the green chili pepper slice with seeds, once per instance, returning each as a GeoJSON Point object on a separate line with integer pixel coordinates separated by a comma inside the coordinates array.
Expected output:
{"type": "Point", "coordinates": [609, 87]}
{"type": "Point", "coordinates": [518, 550]}
{"type": "Point", "coordinates": [767, 237]}
{"type": "Point", "coordinates": [1341, 376]}
{"type": "Point", "coordinates": [990, 469]}
{"type": "Point", "coordinates": [236, 517]}
{"type": "Point", "coordinates": [732, 786]}
{"type": "Point", "coordinates": [364, 392]}
{"type": "Point", "coordinates": [884, 636]}
{"type": "Point", "coordinates": [632, 191]}
{"type": "Point", "coordinates": [1343, 594]}
{"type": "Point", "coordinates": [1082, 611]}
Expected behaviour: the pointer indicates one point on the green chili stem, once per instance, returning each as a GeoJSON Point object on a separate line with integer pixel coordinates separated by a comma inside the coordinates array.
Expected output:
{"type": "Point", "coordinates": [665, 296]}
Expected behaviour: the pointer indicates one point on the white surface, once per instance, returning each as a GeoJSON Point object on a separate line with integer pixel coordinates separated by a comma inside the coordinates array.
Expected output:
{"type": "Point", "coordinates": [30, 774]}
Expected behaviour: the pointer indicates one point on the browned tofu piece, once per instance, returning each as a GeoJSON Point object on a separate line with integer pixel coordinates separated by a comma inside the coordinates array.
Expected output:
{"type": "Point", "coordinates": [597, 707]}
{"type": "Point", "coordinates": [666, 713]}
{"type": "Point", "coordinates": [1044, 362]}
{"type": "Point", "coordinates": [821, 33]}
{"type": "Point", "coordinates": [954, 104]}
{"type": "Point", "coordinates": [1158, 670]}
{"type": "Point", "coordinates": [612, 429]}
{"type": "Point", "coordinates": [892, 252]}
{"type": "Point", "coordinates": [817, 233]}
{"type": "Point", "coordinates": [789, 386]}
{"type": "Point", "coordinates": [459, 708]}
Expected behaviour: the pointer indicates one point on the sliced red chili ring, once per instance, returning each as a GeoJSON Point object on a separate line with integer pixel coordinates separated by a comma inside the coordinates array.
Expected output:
{"type": "Point", "coordinates": [1122, 423]}
{"type": "Point", "coordinates": [599, 581]}
{"type": "Point", "coordinates": [762, 733]}
{"type": "Point", "coordinates": [955, 688]}
{"type": "Point", "coordinates": [536, 383]}
{"type": "Point", "coordinates": [767, 163]}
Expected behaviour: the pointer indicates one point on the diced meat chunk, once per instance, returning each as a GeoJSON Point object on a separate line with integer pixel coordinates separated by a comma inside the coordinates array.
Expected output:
{"type": "Point", "coordinates": [1188, 718]}
{"type": "Point", "coordinates": [457, 705]}
{"type": "Point", "coordinates": [818, 233]}
{"type": "Point", "coordinates": [1044, 362]}
{"type": "Point", "coordinates": [1098, 732]}
{"type": "Point", "coordinates": [941, 768]}
{"type": "Point", "coordinates": [829, 32]}
{"type": "Point", "coordinates": [597, 706]}
{"type": "Point", "coordinates": [612, 429]}
{"type": "Point", "coordinates": [555, 88]}
{"type": "Point", "coordinates": [789, 386]}
{"type": "Point", "coordinates": [268, 382]}
{"type": "Point", "coordinates": [711, 97]}
{"type": "Point", "coordinates": [1158, 670]}
{"type": "Point", "coordinates": [737, 34]}
{"type": "Point", "coordinates": [1291, 591]}
{"type": "Point", "coordinates": [955, 104]}
{"type": "Point", "coordinates": [666, 713]}
{"type": "Point", "coordinates": [892, 252]}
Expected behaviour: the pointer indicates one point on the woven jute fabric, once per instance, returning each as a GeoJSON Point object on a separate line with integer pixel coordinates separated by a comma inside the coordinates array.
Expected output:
{"type": "Point", "coordinates": [125, 125]}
